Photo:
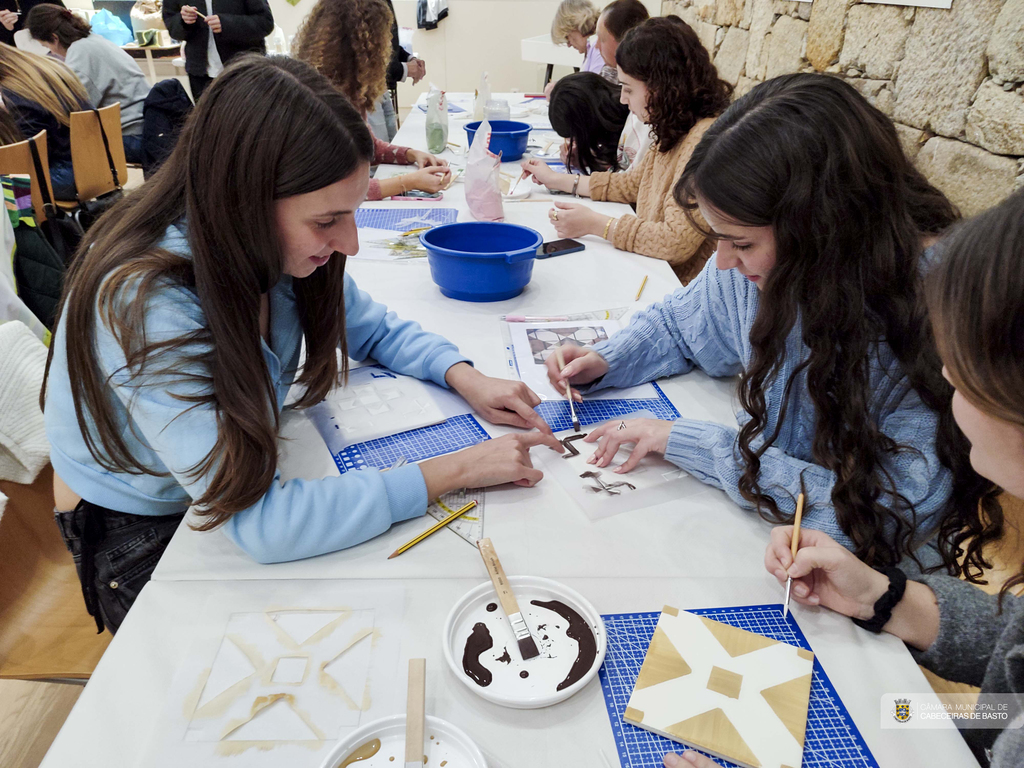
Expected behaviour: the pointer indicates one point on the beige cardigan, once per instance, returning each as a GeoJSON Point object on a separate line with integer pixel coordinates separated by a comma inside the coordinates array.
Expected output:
{"type": "Point", "coordinates": [660, 227]}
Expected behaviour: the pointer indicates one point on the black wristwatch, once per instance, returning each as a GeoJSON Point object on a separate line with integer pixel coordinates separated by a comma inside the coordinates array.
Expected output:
{"type": "Point", "coordinates": [885, 604]}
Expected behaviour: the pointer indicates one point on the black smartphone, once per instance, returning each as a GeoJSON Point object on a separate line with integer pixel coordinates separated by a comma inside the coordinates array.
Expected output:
{"type": "Point", "coordinates": [559, 248]}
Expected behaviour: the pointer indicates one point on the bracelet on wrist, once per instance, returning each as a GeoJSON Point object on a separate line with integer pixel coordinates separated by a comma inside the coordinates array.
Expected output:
{"type": "Point", "coordinates": [606, 226]}
{"type": "Point", "coordinates": [575, 186]}
{"type": "Point", "coordinates": [886, 603]}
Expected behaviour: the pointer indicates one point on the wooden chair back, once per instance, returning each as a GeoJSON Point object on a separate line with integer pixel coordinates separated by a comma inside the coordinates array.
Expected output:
{"type": "Point", "coordinates": [88, 156]}
{"type": "Point", "coordinates": [17, 159]}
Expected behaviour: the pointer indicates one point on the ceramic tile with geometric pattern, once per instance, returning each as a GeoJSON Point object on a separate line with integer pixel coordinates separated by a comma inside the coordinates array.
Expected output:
{"type": "Point", "coordinates": [723, 690]}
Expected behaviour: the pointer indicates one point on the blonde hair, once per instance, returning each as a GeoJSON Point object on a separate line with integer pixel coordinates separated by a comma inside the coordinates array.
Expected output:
{"type": "Point", "coordinates": [574, 16]}
{"type": "Point", "coordinates": [48, 83]}
{"type": "Point", "coordinates": [349, 43]}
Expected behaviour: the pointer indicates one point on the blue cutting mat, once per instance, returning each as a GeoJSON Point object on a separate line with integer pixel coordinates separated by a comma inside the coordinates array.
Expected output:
{"type": "Point", "coordinates": [404, 219]}
{"type": "Point", "coordinates": [831, 740]}
{"type": "Point", "coordinates": [415, 445]}
{"type": "Point", "coordinates": [556, 412]}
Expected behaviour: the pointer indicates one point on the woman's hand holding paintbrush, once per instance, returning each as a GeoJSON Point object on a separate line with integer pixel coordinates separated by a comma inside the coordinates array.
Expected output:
{"type": "Point", "coordinates": [582, 366]}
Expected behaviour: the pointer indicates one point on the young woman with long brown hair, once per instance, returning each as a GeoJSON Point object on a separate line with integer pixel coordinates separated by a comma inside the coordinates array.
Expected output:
{"type": "Point", "coordinates": [670, 83]}
{"type": "Point", "coordinates": [41, 95]}
{"type": "Point", "coordinates": [814, 300]}
{"type": "Point", "coordinates": [975, 298]}
{"type": "Point", "coordinates": [180, 333]}
{"type": "Point", "coordinates": [349, 42]}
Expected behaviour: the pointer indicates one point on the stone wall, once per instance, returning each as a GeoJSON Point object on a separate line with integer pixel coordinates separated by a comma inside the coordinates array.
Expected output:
{"type": "Point", "coordinates": [952, 80]}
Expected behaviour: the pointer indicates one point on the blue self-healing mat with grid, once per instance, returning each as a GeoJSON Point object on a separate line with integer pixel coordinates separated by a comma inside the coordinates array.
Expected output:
{"type": "Point", "coordinates": [830, 741]}
{"type": "Point", "coordinates": [404, 219]}
{"type": "Point", "coordinates": [415, 445]}
{"type": "Point", "coordinates": [556, 412]}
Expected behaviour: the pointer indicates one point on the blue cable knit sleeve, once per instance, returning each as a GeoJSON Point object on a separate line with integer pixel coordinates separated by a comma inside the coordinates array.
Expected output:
{"type": "Point", "coordinates": [698, 326]}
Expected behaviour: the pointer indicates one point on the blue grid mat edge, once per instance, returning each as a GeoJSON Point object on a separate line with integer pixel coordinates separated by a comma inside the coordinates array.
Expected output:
{"type": "Point", "coordinates": [415, 445]}
{"type": "Point", "coordinates": [638, 748]}
{"type": "Point", "coordinates": [556, 412]}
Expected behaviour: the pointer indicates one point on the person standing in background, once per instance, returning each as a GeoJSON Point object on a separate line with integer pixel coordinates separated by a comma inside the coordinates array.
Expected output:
{"type": "Point", "coordinates": [14, 15]}
{"type": "Point", "coordinates": [383, 120]}
{"type": "Point", "coordinates": [225, 29]}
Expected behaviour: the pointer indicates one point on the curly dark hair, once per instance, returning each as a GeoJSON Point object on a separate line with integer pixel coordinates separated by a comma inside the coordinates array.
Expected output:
{"type": "Point", "coordinates": [808, 156]}
{"type": "Point", "coordinates": [975, 297]}
{"type": "Point", "coordinates": [349, 43]}
{"type": "Point", "coordinates": [585, 109]}
{"type": "Point", "coordinates": [683, 86]}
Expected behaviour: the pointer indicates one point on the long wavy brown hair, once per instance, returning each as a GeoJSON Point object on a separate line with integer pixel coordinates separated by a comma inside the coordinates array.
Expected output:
{"type": "Point", "coordinates": [808, 156]}
{"type": "Point", "coordinates": [47, 82]}
{"type": "Point", "coordinates": [683, 86]}
{"type": "Point", "coordinates": [975, 297]}
{"type": "Point", "coordinates": [349, 43]}
{"type": "Point", "coordinates": [241, 149]}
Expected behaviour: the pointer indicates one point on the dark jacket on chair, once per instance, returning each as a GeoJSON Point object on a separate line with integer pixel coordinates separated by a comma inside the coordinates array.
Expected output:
{"type": "Point", "coordinates": [167, 106]}
{"type": "Point", "coordinates": [33, 118]}
{"type": "Point", "coordinates": [244, 24]}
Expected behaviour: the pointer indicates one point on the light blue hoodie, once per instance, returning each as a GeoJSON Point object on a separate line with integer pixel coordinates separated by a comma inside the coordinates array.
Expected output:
{"type": "Point", "coordinates": [293, 520]}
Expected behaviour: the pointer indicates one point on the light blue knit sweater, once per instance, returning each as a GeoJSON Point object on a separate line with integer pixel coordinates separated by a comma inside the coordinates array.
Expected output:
{"type": "Point", "coordinates": [706, 325]}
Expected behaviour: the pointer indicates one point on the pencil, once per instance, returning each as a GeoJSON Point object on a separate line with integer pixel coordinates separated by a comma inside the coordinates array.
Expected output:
{"type": "Point", "coordinates": [794, 546]}
{"type": "Point", "coordinates": [641, 289]}
{"type": "Point", "coordinates": [440, 524]}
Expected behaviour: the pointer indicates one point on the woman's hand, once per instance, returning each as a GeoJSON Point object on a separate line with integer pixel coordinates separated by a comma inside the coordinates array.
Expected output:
{"type": "Point", "coordinates": [431, 179]}
{"type": "Point", "coordinates": [214, 23]}
{"type": "Point", "coordinates": [188, 14]}
{"type": "Point", "coordinates": [541, 173]}
{"type": "Point", "coordinates": [9, 19]}
{"type": "Point", "coordinates": [575, 220]}
{"type": "Point", "coordinates": [500, 401]}
{"type": "Point", "coordinates": [688, 758]}
{"type": "Point", "coordinates": [492, 462]}
{"type": "Point", "coordinates": [824, 573]}
{"type": "Point", "coordinates": [424, 159]}
{"type": "Point", "coordinates": [582, 366]}
{"type": "Point", "coordinates": [647, 435]}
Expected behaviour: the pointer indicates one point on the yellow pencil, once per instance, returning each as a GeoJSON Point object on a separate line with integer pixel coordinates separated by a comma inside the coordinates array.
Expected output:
{"type": "Point", "coordinates": [641, 289]}
{"type": "Point", "coordinates": [440, 524]}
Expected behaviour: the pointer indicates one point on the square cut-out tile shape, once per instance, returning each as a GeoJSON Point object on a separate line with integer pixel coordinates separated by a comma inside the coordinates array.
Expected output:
{"type": "Point", "coordinates": [732, 693]}
{"type": "Point", "coordinates": [290, 670]}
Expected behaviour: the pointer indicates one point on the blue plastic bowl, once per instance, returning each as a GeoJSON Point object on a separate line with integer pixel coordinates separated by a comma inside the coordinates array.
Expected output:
{"type": "Point", "coordinates": [481, 261]}
{"type": "Point", "coordinates": [507, 136]}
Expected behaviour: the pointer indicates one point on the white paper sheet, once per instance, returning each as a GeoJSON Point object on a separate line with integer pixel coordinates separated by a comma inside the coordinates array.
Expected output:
{"type": "Point", "coordinates": [533, 343]}
{"type": "Point", "coordinates": [654, 480]}
{"type": "Point", "coordinates": [376, 403]}
{"type": "Point", "coordinates": [313, 659]}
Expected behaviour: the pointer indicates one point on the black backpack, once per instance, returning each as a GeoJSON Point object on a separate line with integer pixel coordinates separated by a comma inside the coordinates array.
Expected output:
{"type": "Point", "coordinates": [163, 114]}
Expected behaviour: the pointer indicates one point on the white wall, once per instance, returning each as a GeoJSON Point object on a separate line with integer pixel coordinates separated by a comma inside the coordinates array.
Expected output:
{"type": "Point", "coordinates": [478, 35]}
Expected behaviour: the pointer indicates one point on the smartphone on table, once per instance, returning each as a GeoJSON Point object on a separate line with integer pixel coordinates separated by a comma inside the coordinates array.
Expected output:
{"type": "Point", "coordinates": [559, 248]}
{"type": "Point", "coordinates": [418, 194]}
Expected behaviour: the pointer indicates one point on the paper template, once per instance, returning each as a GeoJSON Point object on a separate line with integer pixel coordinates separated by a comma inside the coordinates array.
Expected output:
{"type": "Point", "coordinates": [653, 481]}
{"type": "Point", "coordinates": [533, 343]}
{"type": "Point", "coordinates": [376, 403]}
{"type": "Point", "coordinates": [724, 690]}
{"type": "Point", "coordinates": [280, 673]}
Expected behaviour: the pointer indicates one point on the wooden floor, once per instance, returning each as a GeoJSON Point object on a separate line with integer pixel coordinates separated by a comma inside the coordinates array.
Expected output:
{"type": "Point", "coordinates": [31, 713]}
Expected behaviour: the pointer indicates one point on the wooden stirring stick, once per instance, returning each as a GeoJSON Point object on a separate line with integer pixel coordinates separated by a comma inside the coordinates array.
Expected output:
{"type": "Point", "coordinates": [794, 545]}
{"type": "Point", "coordinates": [415, 713]}
{"type": "Point", "coordinates": [509, 604]}
{"type": "Point", "coordinates": [568, 389]}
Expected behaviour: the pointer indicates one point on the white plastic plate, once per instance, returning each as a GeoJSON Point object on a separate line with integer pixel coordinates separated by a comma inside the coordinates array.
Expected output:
{"type": "Point", "coordinates": [443, 743]}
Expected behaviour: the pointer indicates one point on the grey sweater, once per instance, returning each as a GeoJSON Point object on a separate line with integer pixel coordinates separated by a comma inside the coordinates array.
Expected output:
{"type": "Point", "coordinates": [110, 75]}
{"type": "Point", "coordinates": [980, 646]}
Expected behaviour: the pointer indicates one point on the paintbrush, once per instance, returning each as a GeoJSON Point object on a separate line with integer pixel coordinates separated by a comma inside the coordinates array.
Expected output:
{"type": "Point", "coordinates": [795, 543]}
{"type": "Point", "coordinates": [414, 713]}
{"type": "Point", "coordinates": [433, 529]}
{"type": "Point", "coordinates": [527, 646]}
{"type": "Point", "coordinates": [568, 389]}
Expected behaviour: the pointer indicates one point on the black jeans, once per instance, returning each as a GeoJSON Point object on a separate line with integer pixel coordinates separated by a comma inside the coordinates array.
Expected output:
{"type": "Point", "coordinates": [197, 84]}
{"type": "Point", "coordinates": [115, 554]}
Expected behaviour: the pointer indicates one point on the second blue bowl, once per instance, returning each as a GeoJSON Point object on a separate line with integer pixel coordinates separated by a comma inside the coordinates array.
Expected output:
{"type": "Point", "coordinates": [507, 137]}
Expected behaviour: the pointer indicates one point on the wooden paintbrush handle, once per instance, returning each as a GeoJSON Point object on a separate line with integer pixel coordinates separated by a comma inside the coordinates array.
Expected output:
{"type": "Point", "coordinates": [415, 711]}
{"type": "Point", "coordinates": [795, 542]}
{"type": "Point", "coordinates": [508, 600]}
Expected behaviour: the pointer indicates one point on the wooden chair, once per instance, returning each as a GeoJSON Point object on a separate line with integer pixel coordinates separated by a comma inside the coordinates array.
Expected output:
{"type": "Point", "coordinates": [89, 158]}
{"type": "Point", "coordinates": [17, 159]}
{"type": "Point", "coordinates": [45, 631]}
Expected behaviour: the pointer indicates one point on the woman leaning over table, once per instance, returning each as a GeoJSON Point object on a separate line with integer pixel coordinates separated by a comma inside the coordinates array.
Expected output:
{"type": "Point", "coordinates": [669, 82]}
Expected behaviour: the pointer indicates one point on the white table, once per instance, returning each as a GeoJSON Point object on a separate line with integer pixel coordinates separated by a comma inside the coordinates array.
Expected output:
{"type": "Point", "coordinates": [543, 50]}
{"type": "Point", "coordinates": [701, 551]}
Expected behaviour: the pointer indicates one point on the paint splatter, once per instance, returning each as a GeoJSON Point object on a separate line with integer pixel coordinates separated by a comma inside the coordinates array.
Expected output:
{"type": "Point", "coordinates": [524, 674]}
{"type": "Point", "coordinates": [477, 643]}
{"type": "Point", "coordinates": [492, 607]}
{"type": "Point", "coordinates": [505, 658]}
{"type": "Point", "coordinates": [580, 631]}
{"type": "Point", "coordinates": [362, 752]}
